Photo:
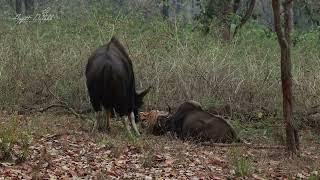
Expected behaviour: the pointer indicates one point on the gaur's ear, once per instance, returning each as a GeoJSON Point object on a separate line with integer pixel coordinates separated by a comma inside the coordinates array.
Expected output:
{"type": "Point", "coordinates": [144, 92]}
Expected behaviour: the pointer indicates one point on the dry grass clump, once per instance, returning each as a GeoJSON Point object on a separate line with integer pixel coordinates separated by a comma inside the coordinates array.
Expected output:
{"type": "Point", "coordinates": [180, 64]}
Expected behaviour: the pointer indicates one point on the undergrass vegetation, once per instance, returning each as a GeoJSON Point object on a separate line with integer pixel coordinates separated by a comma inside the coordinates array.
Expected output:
{"type": "Point", "coordinates": [242, 165]}
{"type": "Point", "coordinates": [39, 60]}
{"type": "Point", "coordinates": [14, 142]}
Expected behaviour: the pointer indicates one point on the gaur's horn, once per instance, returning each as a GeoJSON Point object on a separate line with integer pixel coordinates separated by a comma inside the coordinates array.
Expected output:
{"type": "Point", "coordinates": [144, 92]}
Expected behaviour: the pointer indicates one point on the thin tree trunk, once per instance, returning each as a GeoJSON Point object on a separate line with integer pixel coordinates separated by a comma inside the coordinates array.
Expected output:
{"type": "Point", "coordinates": [286, 77]}
{"type": "Point", "coordinates": [178, 6]}
{"type": "Point", "coordinates": [227, 11]}
{"type": "Point", "coordinates": [165, 9]}
{"type": "Point", "coordinates": [288, 17]}
{"type": "Point", "coordinates": [19, 6]}
{"type": "Point", "coordinates": [198, 4]}
{"type": "Point", "coordinates": [29, 4]}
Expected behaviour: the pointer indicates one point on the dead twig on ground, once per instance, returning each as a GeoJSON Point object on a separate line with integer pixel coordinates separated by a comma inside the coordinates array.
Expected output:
{"type": "Point", "coordinates": [29, 109]}
{"type": "Point", "coordinates": [65, 105]}
{"type": "Point", "coordinates": [253, 146]}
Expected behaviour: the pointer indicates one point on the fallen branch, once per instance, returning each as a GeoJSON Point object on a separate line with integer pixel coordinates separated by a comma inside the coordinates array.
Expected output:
{"type": "Point", "coordinates": [86, 111]}
{"type": "Point", "coordinates": [242, 145]}
{"type": "Point", "coordinates": [314, 110]}
{"type": "Point", "coordinates": [49, 107]}
{"type": "Point", "coordinates": [65, 105]}
{"type": "Point", "coordinates": [54, 136]}
{"type": "Point", "coordinates": [30, 109]}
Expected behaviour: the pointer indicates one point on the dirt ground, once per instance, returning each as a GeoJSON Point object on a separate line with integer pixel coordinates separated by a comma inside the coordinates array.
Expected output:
{"type": "Point", "coordinates": [61, 147]}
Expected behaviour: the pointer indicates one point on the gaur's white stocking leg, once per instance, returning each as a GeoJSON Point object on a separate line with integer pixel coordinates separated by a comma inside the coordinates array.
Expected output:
{"type": "Point", "coordinates": [133, 123]}
{"type": "Point", "coordinates": [126, 124]}
{"type": "Point", "coordinates": [115, 114]}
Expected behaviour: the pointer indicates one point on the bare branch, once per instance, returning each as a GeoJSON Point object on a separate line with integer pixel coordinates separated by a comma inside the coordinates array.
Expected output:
{"type": "Point", "coordinates": [65, 105]}
{"type": "Point", "coordinates": [246, 17]}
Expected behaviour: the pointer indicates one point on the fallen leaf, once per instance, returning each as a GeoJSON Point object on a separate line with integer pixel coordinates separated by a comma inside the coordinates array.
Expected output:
{"type": "Point", "coordinates": [255, 176]}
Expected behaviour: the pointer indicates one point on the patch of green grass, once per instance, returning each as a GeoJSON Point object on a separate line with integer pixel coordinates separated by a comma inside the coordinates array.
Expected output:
{"type": "Point", "coordinates": [14, 141]}
{"type": "Point", "coordinates": [314, 176]}
{"type": "Point", "coordinates": [242, 165]}
{"type": "Point", "coordinates": [254, 129]}
{"type": "Point", "coordinates": [107, 142]}
{"type": "Point", "coordinates": [133, 139]}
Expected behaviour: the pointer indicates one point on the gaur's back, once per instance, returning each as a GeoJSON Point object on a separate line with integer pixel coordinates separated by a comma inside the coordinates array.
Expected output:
{"type": "Point", "coordinates": [206, 127]}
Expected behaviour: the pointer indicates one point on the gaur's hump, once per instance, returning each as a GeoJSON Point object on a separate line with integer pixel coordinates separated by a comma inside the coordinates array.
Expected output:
{"type": "Point", "coordinates": [115, 44]}
{"type": "Point", "coordinates": [194, 103]}
{"type": "Point", "coordinates": [189, 106]}
{"type": "Point", "coordinates": [114, 40]}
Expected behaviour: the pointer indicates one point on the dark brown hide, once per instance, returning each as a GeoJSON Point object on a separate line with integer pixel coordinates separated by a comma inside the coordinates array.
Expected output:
{"type": "Point", "coordinates": [191, 122]}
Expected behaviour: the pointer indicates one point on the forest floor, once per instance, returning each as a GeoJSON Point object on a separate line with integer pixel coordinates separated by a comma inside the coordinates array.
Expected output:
{"type": "Point", "coordinates": [60, 147]}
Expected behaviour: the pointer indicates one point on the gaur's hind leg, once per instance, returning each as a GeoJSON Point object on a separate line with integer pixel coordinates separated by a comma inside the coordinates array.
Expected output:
{"type": "Point", "coordinates": [95, 99]}
{"type": "Point", "coordinates": [101, 124]}
{"type": "Point", "coordinates": [133, 123]}
{"type": "Point", "coordinates": [108, 117]}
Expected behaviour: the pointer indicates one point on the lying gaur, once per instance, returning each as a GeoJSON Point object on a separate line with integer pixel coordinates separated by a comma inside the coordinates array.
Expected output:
{"type": "Point", "coordinates": [190, 121]}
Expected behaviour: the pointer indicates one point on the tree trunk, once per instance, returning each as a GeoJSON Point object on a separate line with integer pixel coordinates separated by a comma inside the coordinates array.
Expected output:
{"type": "Point", "coordinates": [288, 16]}
{"type": "Point", "coordinates": [288, 19]}
{"type": "Point", "coordinates": [198, 4]}
{"type": "Point", "coordinates": [28, 7]}
{"type": "Point", "coordinates": [165, 9]}
{"type": "Point", "coordinates": [226, 26]}
{"type": "Point", "coordinates": [29, 4]}
{"type": "Point", "coordinates": [292, 138]}
{"type": "Point", "coordinates": [178, 6]}
{"type": "Point", "coordinates": [19, 6]}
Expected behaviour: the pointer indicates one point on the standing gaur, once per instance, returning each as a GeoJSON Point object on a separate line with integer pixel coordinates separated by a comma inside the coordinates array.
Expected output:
{"type": "Point", "coordinates": [191, 122]}
{"type": "Point", "coordinates": [111, 84]}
